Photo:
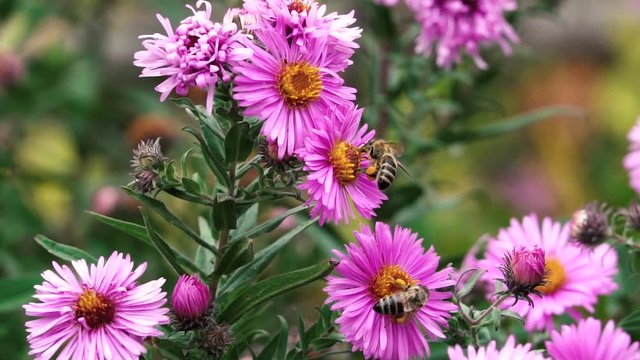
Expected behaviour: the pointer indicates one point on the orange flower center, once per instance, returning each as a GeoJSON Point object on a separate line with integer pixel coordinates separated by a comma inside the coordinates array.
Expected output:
{"type": "Point", "coordinates": [96, 309]}
{"type": "Point", "coordinates": [345, 159]}
{"type": "Point", "coordinates": [389, 280]}
{"type": "Point", "coordinates": [555, 277]}
{"type": "Point", "coordinates": [299, 83]}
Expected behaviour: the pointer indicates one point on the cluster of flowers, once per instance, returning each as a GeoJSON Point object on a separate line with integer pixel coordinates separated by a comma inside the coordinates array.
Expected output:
{"type": "Point", "coordinates": [286, 57]}
{"type": "Point", "coordinates": [451, 27]}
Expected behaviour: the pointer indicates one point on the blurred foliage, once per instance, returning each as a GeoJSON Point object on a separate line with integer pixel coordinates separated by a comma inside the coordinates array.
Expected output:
{"type": "Point", "coordinates": [75, 108]}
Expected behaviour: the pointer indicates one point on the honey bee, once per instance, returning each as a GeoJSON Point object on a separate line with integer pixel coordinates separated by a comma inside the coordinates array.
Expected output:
{"type": "Point", "coordinates": [385, 162]}
{"type": "Point", "coordinates": [403, 304]}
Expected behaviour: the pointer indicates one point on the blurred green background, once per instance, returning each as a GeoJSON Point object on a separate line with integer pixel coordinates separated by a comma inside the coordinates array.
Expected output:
{"type": "Point", "coordinates": [72, 108]}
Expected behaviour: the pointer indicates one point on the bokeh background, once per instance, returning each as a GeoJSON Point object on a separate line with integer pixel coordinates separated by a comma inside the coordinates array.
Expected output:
{"type": "Point", "coordinates": [72, 108]}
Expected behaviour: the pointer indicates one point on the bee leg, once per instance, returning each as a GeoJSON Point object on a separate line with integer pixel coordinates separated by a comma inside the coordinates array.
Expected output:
{"type": "Point", "coordinates": [371, 171]}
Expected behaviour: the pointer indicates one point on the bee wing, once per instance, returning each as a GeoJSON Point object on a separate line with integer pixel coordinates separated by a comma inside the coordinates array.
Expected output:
{"type": "Point", "coordinates": [396, 147]}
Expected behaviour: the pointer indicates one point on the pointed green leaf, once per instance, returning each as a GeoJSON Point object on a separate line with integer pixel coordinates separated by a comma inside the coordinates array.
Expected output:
{"type": "Point", "coordinates": [281, 350]}
{"type": "Point", "coordinates": [204, 257]}
{"type": "Point", "coordinates": [262, 259]}
{"type": "Point", "coordinates": [247, 220]}
{"type": "Point", "coordinates": [631, 323]}
{"type": "Point", "coordinates": [513, 315]}
{"type": "Point", "coordinates": [168, 349]}
{"type": "Point", "coordinates": [244, 299]}
{"type": "Point", "coordinates": [191, 186]}
{"type": "Point", "coordinates": [224, 212]}
{"type": "Point", "coordinates": [159, 207]}
{"type": "Point", "coordinates": [215, 163]}
{"type": "Point", "coordinates": [160, 244]}
{"type": "Point", "coordinates": [303, 341]}
{"type": "Point", "coordinates": [268, 226]}
{"type": "Point", "coordinates": [139, 232]}
{"type": "Point", "coordinates": [62, 251]}
{"type": "Point", "coordinates": [238, 145]}
{"type": "Point", "coordinates": [470, 283]}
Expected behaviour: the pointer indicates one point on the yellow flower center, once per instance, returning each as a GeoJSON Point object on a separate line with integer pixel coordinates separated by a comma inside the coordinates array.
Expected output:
{"type": "Point", "coordinates": [345, 159]}
{"type": "Point", "coordinates": [389, 280]}
{"type": "Point", "coordinates": [96, 309]}
{"type": "Point", "coordinates": [299, 83]}
{"type": "Point", "coordinates": [299, 6]}
{"type": "Point", "coordinates": [555, 276]}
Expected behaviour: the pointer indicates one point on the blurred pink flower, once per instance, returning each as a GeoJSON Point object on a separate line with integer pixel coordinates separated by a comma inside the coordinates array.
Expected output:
{"type": "Point", "coordinates": [107, 199]}
{"type": "Point", "coordinates": [589, 341]}
{"type": "Point", "coordinates": [196, 54]}
{"type": "Point", "coordinates": [575, 278]}
{"type": "Point", "coordinates": [98, 312]}
{"type": "Point", "coordinates": [336, 181]}
{"type": "Point", "coordinates": [386, 2]}
{"type": "Point", "coordinates": [632, 160]}
{"type": "Point", "coordinates": [510, 350]}
{"type": "Point", "coordinates": [452, 27]}
{"type": "Point", "coordinates": [379, 264]}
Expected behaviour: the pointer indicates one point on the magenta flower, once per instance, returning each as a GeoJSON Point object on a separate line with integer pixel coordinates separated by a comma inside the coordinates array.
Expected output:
{"type": "Point", "coordinates": [288, 89]}
{"type": "Point", "coordinates": [332, 156]}
{"type": "Point", "coordinates": [632, 160]}
{"type": "Point", "coordinates": [190, 298]}
{"type": "Point", "coordinates": [574, 278]}
{"type": "Point", "coordinates": [380, 264]}
{"type": "Point", "coordinates": [197, 54]}
{"type": "Point", "coordinates": [510, 350]}
{"type": "Point", "coordinates": [452, 27]}
{"type": "Point", "coordinates": [303, 22]}
{"type": "Point", "coordinates": [97, 312]}
{"type": "Point", "coordinates": [589, 341]}
{"type": "Point", "coordinates": [524, 272]}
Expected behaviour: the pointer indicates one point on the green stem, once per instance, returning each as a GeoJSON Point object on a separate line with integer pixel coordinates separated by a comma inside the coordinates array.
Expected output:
{"type": "Point", "coordinates": [618, 239]}
{"type": "Point", "coordinates": [223, 238]}
{"type": "Point", "coordinates": [488, 310]}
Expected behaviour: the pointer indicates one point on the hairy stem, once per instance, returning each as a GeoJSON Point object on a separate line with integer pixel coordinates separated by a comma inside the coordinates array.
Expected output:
{"type": "Point", "coordinates": [223, 238]}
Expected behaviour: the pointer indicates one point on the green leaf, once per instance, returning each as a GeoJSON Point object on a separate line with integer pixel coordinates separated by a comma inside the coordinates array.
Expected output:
{"type": "Point", "coordinates": [204, 257]}
{"type": "Point", "coordinates": [631, 323]}
{"type": "Point", "coordinates": [238, 254]}
{"type": "Point", "coordinates": [215, 163]}
{"type": "Point", "coordinates": [191, 186]}
{"type": "Point", "coordinates": [470, 283]}
{"type": "Point", "coordinates": [161, 244]}
{"type": "Point", "coordinates": [162, 210]}
{"type": "Point", "coordinates": [183, 161]}
{"type": "Point", "coordinates": [248, 220]}
{"type": "Point", "coordinates": [303, 341]}
{"type": "Point", "coordinates": [262, 259]}
{"type": "Point", "coordinates": [244, 299]}
{"type": "Point", "coordinates": [17, 291]}
{"type": "Point", "coordinates": [269, 351]}
{"type": "Point", "coordinates": [139, 232]}
{"type": "Point", "coordinates": [169, 350]}
{"type": "Point", "coordinates": [281, 350]}
{"type": "Point", "coordinates": [238, 144]}
{"type": "Point", "coordinates": [224, 212]}
{"type": "Point", "coordinates": [62, 251]}
{"type": "Point", "coordinates": [513, 315]}
{"type": "Point", "coordinates": [268, 226]}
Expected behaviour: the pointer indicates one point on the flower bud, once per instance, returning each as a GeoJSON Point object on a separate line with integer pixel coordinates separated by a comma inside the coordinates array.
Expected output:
{"type": "Point", "coordinates": [191, 302]}
{"type": "Point", "coordinates": [524, 270]}
{"type": "Point", "coordinates": [632, 216]}
{"type": "Point", "coordinates": [589, 225]}
{"type": "Point", "coordinates": [217, 339]}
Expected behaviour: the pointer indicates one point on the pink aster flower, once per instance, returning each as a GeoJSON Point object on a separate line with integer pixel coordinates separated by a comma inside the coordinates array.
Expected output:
{"type": "Point", "coordinates": [380, 264]}
{"type": "Point", "coordinates": [97, 312]}
{"type": "Point", "coordinates": [574, 277]}
{"type": "Point", "coordinates": [197, 54]}
{"type": "Point", "coordinates": [510, 351]}
{"type": "Point", "coordinates": [589, 341]}
{"type": "Point", "coordinates": [451, 27]}
{"type": "Point", "coordinates": [332, 156]}
{"type": "Point", "coordinates": [288, 89]}
{"type": "Point", "coordinates": [305, 21]}
{"type": "Point", "coordinates": [632, 160]}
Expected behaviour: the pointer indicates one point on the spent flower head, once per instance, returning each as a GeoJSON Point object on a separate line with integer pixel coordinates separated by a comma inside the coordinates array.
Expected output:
{"type": "Point", "coordinates": [523, 271]}
{"type": "Point", "coordinates": [146, 163]}
{"type": "Point", "coordinates": [589, 226]}
{"type": "Point", "coordinates": [632, 215]}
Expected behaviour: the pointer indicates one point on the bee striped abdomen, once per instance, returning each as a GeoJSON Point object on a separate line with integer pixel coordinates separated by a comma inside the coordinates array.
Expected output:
{"type": "Point", "coordinates": [390, 305]}
{"type": "Point", "coordinates": [386, 172]}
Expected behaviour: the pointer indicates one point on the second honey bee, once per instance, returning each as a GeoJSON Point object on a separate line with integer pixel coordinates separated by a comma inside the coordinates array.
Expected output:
{"type": "Point", "coordinates": [403, 304]}
{"type": "Point", "coordinates": [385, 162]}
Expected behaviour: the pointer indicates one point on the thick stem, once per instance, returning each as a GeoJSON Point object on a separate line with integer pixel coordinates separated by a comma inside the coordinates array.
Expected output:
{"type": "Point", "coordinates": [488, 310]}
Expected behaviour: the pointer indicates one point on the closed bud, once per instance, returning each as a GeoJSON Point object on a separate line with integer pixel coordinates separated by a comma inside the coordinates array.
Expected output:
{"type": "Point", "coordinates": [217, 339]}
{"type": "Point", "coordinates": [523, 270]}
{"type": "Point", "coordinates": [589, 226]}
{"type": "Point", "coordinates": [191, 300]}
